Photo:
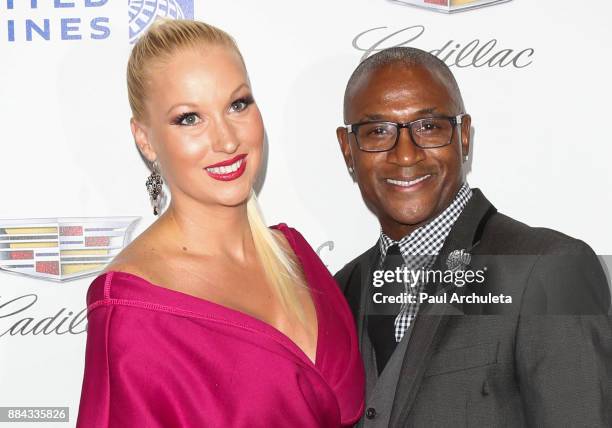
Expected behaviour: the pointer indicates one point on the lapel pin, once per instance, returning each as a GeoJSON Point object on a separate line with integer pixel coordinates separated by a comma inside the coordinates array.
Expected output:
{"type": "Point", "coordinates": [458, 260]}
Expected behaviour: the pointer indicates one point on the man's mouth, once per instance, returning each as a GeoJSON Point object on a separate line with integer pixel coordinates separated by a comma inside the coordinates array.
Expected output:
{"type": "Point", "coordinates": [409, 182]}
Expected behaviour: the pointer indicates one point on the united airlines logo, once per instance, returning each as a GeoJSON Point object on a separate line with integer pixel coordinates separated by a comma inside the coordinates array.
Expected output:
{"type": "Point", "coordinates": [61, 249]}
{"type": "Point", "coordinates": [449, 6]}
{"type": "Point", "coordinates": [143, 13]}
{"type": "Point", "coordinates": [33, 21]}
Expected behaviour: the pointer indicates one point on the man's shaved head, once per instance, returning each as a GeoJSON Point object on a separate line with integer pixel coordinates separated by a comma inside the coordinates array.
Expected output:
{"type": "Point", "coordinates": [407, 185]}
{"type": "Point", "coordinates": [403, 57]}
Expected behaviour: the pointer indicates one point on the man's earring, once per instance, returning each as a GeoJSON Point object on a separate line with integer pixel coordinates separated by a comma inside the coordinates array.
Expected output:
{"type": "Point", "coordinates": [154, 187]}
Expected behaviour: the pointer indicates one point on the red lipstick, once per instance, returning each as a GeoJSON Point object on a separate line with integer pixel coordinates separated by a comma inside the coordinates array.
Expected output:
{"type": "Point", "coordinates": [229, 169]}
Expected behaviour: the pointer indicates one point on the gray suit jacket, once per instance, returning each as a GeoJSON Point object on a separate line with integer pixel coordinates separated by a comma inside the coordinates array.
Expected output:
{"type": "Point", "coordinates": [543, 361]}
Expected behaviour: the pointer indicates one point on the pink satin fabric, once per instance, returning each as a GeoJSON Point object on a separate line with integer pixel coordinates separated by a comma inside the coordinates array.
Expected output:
{"type": "Point", "coordinates": [161, 358]}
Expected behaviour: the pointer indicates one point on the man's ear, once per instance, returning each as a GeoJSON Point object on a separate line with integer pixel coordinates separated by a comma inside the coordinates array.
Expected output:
{"type": "Point", "coordinates": [141, 139]}
{"type": "Point", "coordinates": [466, 135]}
{"type": "Point", "coordinates": [345, 147]}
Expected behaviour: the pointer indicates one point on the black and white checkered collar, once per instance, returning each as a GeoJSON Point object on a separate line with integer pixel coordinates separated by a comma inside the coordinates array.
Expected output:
{"type": "Point", "coordinates": [427, 240]}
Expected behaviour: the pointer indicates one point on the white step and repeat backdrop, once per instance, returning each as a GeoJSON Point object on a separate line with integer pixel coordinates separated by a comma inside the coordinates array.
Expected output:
{"type": "Point", "coordinates": [534, 75]}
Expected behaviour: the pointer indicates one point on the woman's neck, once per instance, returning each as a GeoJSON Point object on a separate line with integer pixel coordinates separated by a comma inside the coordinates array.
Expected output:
{"type": "Point", "coordinates": [212, 230]}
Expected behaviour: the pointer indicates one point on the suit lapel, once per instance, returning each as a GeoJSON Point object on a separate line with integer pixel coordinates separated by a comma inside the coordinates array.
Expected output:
{"type": "Point", "coordinates": [364, 284]}
{"type": "Point", "coordinates": [356, 294]}
{"type": "Point", "coordinates": [429, 328]}
{"type": "Point", "coordinates": [358, 284]}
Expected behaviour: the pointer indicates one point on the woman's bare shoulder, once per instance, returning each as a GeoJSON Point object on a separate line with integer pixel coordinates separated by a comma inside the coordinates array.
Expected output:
{"type": "Point", "coordinates": [138, 258]}
{"type": "Point", "coordinates": [283, 242]}
{"type": "Point", "coordinates": [281, 239]}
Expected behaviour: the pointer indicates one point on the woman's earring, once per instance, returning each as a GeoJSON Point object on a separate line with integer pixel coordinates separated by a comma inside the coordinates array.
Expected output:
{"type": "Point", "coordinates": [154, 187]}
{"type": "Point", "coordinates": [350, 169]}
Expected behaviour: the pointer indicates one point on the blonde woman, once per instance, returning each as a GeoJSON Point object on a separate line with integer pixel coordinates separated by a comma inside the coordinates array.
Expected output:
{"type": "Point", "coordinates": [209, 318]}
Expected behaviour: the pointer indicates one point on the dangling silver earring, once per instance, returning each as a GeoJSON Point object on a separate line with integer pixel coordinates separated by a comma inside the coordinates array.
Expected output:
{"type": "Point", "coordinates": [154, 187]}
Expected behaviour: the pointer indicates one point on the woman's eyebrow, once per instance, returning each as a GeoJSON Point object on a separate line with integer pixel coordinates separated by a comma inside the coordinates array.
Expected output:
{"type": "Point", "coordinates": [193, 105]}
{"type": "Point", "coordinates": [190, 105]}
{"type": "Point", "coordinates": [242, 85]}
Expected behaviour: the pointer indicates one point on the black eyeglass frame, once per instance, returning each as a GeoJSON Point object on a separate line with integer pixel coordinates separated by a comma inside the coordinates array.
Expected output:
{"type": "Point", "coordinates": [352, 128]}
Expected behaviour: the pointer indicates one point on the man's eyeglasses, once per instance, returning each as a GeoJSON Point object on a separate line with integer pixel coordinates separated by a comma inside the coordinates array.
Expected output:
{"type": "Point", "coordinates": [428, 133]}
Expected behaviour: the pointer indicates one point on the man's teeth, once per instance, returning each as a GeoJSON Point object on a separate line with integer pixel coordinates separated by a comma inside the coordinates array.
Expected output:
{"type": "Point", "coordinates": [226, 169]}
{"type": "Point", "coordinates": [405, 183]}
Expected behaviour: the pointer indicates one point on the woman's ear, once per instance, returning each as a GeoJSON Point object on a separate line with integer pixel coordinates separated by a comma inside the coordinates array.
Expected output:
{"type": "Point", "coordinates": [141, 138]}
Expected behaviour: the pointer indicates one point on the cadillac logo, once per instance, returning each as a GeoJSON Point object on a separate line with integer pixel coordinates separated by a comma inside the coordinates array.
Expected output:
{"type": "Point", "coordinates": [61, 249]}
{"type": "Point", "coordinates": [449, 6]}
{"type": "Point", "coordinates": [143, 13]}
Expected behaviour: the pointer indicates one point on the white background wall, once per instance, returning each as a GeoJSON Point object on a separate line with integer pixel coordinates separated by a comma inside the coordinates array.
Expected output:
{"type": "Point", "coordinates": [541, 153]}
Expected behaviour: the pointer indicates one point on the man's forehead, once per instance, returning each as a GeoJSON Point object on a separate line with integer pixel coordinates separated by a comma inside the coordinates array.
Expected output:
{"type": "Point", "coordinates": [411, 88]}
{"type": "Point", "coordinates": [397, 78]}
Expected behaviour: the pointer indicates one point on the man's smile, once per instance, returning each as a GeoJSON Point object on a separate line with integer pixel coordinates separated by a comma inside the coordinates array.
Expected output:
{"type": "Point", "coordinates": [412, 183]}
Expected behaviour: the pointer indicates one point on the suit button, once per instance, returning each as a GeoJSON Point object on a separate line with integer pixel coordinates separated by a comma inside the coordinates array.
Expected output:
{"type": "Point", "coordinates": [485, 388]}
{"type": "Point", "coordinates": [371, 413]}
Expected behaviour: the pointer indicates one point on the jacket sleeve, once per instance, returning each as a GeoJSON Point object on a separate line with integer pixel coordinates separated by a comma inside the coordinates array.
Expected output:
{"type": "Point", "coordinates": [133, 396]}
{"type": "Point", "coordinates": [563, 344]}
{"type": "Point", "coordinates": [343, 277]}
{"type": "Point", "coordinates": [94, 405]}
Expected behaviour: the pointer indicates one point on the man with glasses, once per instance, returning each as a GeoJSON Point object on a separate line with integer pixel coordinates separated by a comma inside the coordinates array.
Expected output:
{"type": "Point", "coordinates": [542, 358]}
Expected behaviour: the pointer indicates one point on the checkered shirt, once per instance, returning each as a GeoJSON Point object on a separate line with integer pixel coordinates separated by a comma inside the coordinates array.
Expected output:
{"type": "Point", "coordinates": [419, 250]}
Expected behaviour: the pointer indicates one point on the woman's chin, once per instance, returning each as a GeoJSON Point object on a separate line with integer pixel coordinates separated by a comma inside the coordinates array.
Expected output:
{"type": "Point", "coordinates": [233, 199]}
{"type": "Point", "coordinates": [230, 196]}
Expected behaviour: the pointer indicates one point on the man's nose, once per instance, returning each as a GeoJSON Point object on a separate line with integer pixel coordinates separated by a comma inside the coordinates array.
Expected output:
{"type": "Point", "coordinates": [406, 152]}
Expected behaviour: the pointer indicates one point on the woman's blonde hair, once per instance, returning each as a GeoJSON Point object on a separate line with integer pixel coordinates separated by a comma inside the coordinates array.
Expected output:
{"type": "Point", "coordinates": [164, 38]}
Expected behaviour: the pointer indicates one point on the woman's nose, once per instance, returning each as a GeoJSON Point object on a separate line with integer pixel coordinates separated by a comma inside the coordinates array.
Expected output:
{"type": "Point", "coordinates": [225, 139]}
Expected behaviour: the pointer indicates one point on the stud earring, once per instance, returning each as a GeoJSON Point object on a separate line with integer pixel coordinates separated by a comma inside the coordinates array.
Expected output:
{"type": "Point", "coordinates": [350, 170]}
{"type": "Point", "coordinates": [154, 188]}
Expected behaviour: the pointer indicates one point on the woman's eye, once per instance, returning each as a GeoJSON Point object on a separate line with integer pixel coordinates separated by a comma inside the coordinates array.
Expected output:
{"type": "Point", "coordinates": [188, 119]}
{"type": "Point", "coordinates": [241, 104]}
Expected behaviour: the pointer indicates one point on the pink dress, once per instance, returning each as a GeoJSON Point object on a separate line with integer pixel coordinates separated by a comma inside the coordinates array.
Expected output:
{"type": "Point", "coordinates": [161, 358]}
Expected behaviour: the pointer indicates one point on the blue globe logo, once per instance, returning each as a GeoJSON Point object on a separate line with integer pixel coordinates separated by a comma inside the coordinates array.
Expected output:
{"type": "Point", "coordinates": [143, 13]}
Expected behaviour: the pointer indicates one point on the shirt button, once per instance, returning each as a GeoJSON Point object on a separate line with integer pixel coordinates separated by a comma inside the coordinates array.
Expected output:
{"type": "Point", "coordinates": [371, 413]}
